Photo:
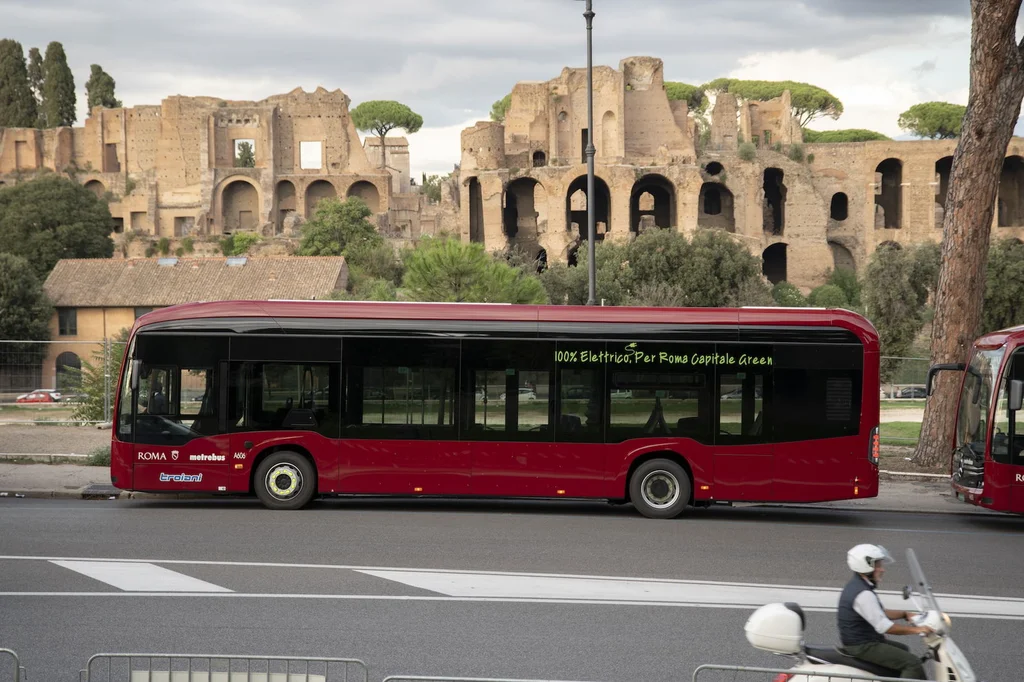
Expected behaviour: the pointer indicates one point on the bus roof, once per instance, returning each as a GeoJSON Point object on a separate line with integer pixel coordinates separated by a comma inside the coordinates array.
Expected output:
{"type": "Point", "coordinates": [503, 312]}
{"type": "Point", "coordinates": [998, 338]}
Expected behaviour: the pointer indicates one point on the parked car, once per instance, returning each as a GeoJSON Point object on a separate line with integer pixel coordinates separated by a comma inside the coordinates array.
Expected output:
{"type": "Point", "coordinates": [524, 394]}
{"type": "Point", "coordinates": [40, 395]}
{"type": "Point", "coordinates": [913, 392]}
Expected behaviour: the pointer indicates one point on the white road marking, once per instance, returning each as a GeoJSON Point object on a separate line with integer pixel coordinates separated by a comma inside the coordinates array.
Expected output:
{"type": "Point", "coordinates": [453, 585]}
{"type": "Point", "coordinates": [140, 577]}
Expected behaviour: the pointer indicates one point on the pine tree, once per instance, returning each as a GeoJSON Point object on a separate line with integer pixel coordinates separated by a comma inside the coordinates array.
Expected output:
{"type": "Point", "coordinates": [100, 89]}
{"type": "Point", "coordinates": [58, 88]}
{"type": "Point", "coordinates": [35, 81]}
{"type": "Point", "coordinates": [17, 106]}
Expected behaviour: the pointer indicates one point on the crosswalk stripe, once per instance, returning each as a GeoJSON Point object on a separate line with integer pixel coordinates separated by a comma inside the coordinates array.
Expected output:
{"type": "Point", "coordinates": [140, 577]}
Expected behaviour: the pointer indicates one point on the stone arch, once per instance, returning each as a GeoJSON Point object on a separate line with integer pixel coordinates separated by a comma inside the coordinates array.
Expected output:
{"type": "Point", "coordinates": [285, 203]}
{"type": "Point", "coordinates": [716, 208]}
{"type": "Point", "coordinates": [840, 207]}
{"type": "Point", "coordinates": [714, 169]}
{"type": "Point", "coordinates": [774, 206]}
{"type": "Point", "coordinates": [663, 211]}
{"type": "Point", "coordinates": [842, 257]}
{"type": "Point", "coordinates": [67, 368]}
{"type": "Point", "coordinates": [476, 211]}
{"type": "Point", "coordinates": [368, 192]}
{"type": "Point", "coordinates": [609, 135]}
{"type": "Point", "coordinates": [240, 205]}
{"type": "Point", "coordinates": [520, 218]}
{"type": "Point", "coordinates": [943, 170]}
{"type": "Point", "coordinates": [774, 262]}
{"type": "Point", "coordinates": [889, 194]}
{"type": "Point", "coordinates": [578, 213]}
{"type": "Point", "coordinates": [540, 159]}
{"type": "Point", "coordinates": [96, 187]}
{"type": "Point", "coordinates": [1011, 193]}
{"type": "Point", "coordinates": [317, 191]}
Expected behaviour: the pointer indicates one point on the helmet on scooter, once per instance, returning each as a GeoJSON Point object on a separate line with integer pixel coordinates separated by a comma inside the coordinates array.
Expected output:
{"type": "Point", "coordinates": [864, 558]}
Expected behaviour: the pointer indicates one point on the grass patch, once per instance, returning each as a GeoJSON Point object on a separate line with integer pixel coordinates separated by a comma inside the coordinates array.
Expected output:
{"type": "Point", "coordinates": [900, 433]}
{"type": "Point", "coordinates": [903, 404]}
{"type": "Point", "coordinates": [99, 457]}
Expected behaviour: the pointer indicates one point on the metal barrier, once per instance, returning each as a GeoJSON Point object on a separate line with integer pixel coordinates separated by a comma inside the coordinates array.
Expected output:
{"type": "Point", "coordinates": [19, 672]}
{"type": "Point", "coordinates": [219, 668]}
{"type": "Point", "coordinates": [420, 678]}
{"type": "Point", "coordinates": [739, 673]}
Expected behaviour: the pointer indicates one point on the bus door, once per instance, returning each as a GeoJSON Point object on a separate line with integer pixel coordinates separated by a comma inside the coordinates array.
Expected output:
{"type": "Point", "coordinates": [744, 454]}
{"type": "Point", "coordinates": [1004, 477]}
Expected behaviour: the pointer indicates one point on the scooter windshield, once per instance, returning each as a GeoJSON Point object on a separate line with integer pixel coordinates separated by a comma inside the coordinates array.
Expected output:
{"type": "Point", "coordinates": [921, 585]}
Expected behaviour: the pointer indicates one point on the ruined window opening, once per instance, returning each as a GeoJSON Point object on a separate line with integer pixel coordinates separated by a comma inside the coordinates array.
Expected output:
{"type": "Point", "coordinates": [756, 139]}
{"type": "Point", "coordinates": [840, 209]}
{"type": "Point", "coordinates": [184, 225]}
{"type": "Point", "coordinates": [716, 205]}
{"type": "Point", "coordinates": [889, 194]}
{"type": "Point", "coordinates": [774, 263]}
{"type": "Point", "coordinates": [366, 191]}
{"type": "Point", "coordinates": [476, 212]}
{"type": "Point", "coordinates": [118, 225]}
{"type": "Point", "coordinates": [540, 159]}
{"type": "Point", "coordinates": [110, 161]}
{"type": "Point", "coordinates": [510, 216]}
{"type": "Point", "coordinates": [943, 169]}
{"type": "Point", "coordinates": [578, 216]}
{"type": "Point", "coordinates": [245, 153]}
{"type": "Point", "coordinates": [311, 155]}
{"type": "Point", "coordinates": [286, 204]}
{"type": "Point", "coordinates": [842, 257]}
{"type": "Point", "coordinates": [239, 206]}
{"type": "Point", "coordinates": [653, 202]}
{"type": "Point", "coordinates": [1011, 193]}
{"type": "Point", "coordinates": [767, 138]}
{"type": "Point", "coordinates": [714, 168]}
{"type": "Point", "coordinates": [774, 208]}
{"type": "Point", "coordinates": [521, 221]}
{"type": "Point", "coordinates": [138, 220]}
{"type": "Point", "coordinates": [96, 187]}
{"type": "Point", "coordinates": [583, 144]}
{"type": "Point", "coordinates": [317, 192]}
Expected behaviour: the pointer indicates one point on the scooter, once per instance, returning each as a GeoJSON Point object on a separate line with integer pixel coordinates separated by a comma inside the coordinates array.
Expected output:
{"type": "Point", "coordinates": [779, 629]}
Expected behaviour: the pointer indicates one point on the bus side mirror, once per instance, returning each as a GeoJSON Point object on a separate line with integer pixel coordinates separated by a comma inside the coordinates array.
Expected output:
{"type": "Point", "coordinates": [935, 369]}
{"type": "Point", "coordinates": [1016, 394]}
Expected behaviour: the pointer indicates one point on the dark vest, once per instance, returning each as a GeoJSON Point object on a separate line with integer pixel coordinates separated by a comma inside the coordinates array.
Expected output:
{"type": "Point", "coordinates": [853, 629]}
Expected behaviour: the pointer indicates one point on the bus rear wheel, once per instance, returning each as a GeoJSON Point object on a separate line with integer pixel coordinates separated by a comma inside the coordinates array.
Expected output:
{"type": "Point", "coordinates": [660, 489]}
{"type": "Point", "coordinates": [285, 480]}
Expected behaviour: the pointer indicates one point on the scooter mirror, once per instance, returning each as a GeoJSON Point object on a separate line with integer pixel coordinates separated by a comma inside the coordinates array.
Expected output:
{"type": "Point", "coordinates": [906, 592]}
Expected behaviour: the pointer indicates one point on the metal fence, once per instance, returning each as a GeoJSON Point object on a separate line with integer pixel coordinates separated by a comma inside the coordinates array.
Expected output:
{"type": "Point", "coordinates": [60, 382]}
{"type": "Point", "coordinates": [739, 673]}
{"type": "Point", "coordinates": [420, 678]}
{"type": "Point", "coordinates": [220, 668]}
{"type": "Point", "coordinates": [10, 667]}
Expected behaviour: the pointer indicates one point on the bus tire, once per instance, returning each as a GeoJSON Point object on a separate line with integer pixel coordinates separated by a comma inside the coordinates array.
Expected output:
{"type": "Point", "coordinates": [660, 489]}
{"type": "Point", "coordinates": [285, 480]}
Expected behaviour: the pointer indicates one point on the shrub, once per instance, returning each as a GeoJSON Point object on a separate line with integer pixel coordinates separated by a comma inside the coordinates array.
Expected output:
{"type": "Point", "coordinates": [747, 151]}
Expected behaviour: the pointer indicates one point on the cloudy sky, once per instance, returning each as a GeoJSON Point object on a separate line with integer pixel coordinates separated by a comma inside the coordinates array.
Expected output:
{"type": "Point", "coordinates": [450, 59]}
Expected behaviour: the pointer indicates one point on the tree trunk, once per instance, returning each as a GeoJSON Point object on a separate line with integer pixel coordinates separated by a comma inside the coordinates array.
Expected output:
{"type": "Point", "coordinates": [997, 88]}
{"type": "Point", "coordinates": [384, 150]}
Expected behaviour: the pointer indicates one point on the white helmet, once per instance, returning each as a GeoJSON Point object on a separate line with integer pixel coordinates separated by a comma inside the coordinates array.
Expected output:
{"type": "Point", "coordinates": [863, 558]}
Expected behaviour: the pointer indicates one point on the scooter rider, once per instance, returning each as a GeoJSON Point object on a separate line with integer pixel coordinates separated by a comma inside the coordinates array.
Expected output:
{"type": "Point", "coordinates": [864, 622]}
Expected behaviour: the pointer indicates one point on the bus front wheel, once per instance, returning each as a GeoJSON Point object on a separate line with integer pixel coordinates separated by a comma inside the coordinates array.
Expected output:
{"type": "Point", "coordinates": [660, 489]}
{"type": "Point", "coordinates": [285, 480]}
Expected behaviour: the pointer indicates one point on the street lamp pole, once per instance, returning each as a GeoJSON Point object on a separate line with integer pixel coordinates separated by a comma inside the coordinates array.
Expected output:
{"type": "Point", "coordinates": [591, 151]}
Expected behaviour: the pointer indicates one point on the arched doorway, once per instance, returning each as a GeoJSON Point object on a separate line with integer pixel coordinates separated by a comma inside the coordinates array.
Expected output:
{"type": "Point", "coordinates": [840, 208]}
{"type": "Point", "coordinates": [68, 370]}
{"type": "Point", "coordinates": [366, 191]}
{"type": "Point", "coordinates": [774, 208]}
{"type": "Point", "coordinates": [1011, 193]}
{"type": "Point", "coordinates": [653, 196]}
{"type": "Point", "coordinates": [317, 192]}
{"type": "Point", "coordinates": [716, 207]}
{"type": "Point", "coordinates": [842, 257]}
{"type": "Point", "coordinates": [476, 211]}
{"type": "Point", "coordinates": [889, 194]}
{"type": "Point", "coordinates": [576, 202]}
{"type": "Point", "coordinates": [285, 201]}
{"type": "Point", "coordinates": [774, 263]}
{"type": "Point", "coordinates": [943, 169]}
{"type": "Point", "coordinates": [520, 216]}
{"type": "Point", "coordinates": [540, 159]}
{"type": "Point", "coordinates": [96, 187]}
{"type": "Point", "coordinates": [240, 206]}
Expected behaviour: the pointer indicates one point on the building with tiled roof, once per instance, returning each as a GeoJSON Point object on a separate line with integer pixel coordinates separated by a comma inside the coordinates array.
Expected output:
{"type": "Point", "coordinates": [95, 298]}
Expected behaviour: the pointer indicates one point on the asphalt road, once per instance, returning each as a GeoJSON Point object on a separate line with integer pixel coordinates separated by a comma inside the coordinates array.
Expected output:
{"type": "Point", "coordinates": [427, 588]}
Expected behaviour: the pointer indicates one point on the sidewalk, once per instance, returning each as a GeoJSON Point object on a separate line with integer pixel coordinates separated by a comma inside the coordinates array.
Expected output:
{"type": "Point", "coordinates": [896, 494]}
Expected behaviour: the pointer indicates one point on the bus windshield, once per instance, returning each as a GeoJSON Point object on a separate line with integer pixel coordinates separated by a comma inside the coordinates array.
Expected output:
{"type": "Point", "coordinates": [976, 399]}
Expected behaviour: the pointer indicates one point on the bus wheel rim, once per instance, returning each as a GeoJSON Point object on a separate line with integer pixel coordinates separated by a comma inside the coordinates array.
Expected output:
{"type": "Point", "coordinates": [283, 481]}
{"type": "Point", "coordinates": [660, 489]}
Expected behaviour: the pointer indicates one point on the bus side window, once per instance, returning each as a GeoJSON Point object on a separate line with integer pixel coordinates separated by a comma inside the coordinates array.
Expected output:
{"type": "Point", "coordinates": [1003, 451]}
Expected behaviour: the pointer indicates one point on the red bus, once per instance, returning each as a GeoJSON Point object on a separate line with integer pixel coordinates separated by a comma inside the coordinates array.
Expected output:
{"type": "Point", "coordinates": [661, 408]}
{"type": "Point", "coordinates": [987, 463]}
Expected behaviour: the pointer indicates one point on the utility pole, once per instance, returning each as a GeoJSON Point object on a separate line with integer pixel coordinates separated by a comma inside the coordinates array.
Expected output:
{"type": "Point", "coordinates": [591, 152]}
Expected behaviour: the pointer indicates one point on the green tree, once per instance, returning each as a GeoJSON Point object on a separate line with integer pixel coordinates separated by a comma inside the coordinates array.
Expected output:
{"type": "Point", "coordinates": [35, 83]}
{"type": "Point", "coordinates": [337, 225]}
{"type": "Point", "coordinates": [500, 108]}
{"type": "Point", "coordinates": [828, 296]}
{"type": "Point", "coordinates": [893, 302]}
{"type": "Point", "coordinates": [98, 378]}
{"type": "Point", "coordinates": [49, 218]}
{"type": "Point", "coordinates": [844, 135]}
{"type": "Point", "coordinates": [100, 89]}
{"type": "Point", "coordinates": [17, 104]}
{"type": "Point", "coordinates": [788, 296]}
{"type": "Point", "coordinates": [25, 311]}
{"type": "Point", "coordinates": [432, 187]}
{"type": "Point", "coordinates": [245, 156]}
{"type": "Point", "coordinates": [847, 281]}
{"type": "Point", "coordinates": [1004, 287]}
{"type": "Point", "coordinates": [809, 101]}
{"type": "Point", "coordinates": [58, 88]}
{"type": "Point", "coordinates": [696, 99]}
{"type": "Point", "coordinates": [372, 259]}
{"type": "Point", "coordinates": [448, 269]}
{"type": "Point", "coordinates": [934, 120]}
{"type": "Point", "coordinates": [383, 116]}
